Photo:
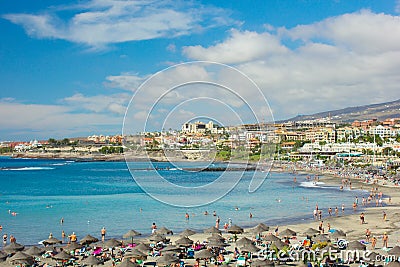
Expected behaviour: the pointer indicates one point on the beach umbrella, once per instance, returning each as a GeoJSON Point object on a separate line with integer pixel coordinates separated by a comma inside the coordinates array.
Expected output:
{"type": "Point", "coordinates": [234, 229]}
{"type": "Point", "coordinates": [250, 248]}
{"type": "Point", "coordinates": [279, 244]}
{"type": "Point", "coordinates": [288, 232]}
{"type": "Point", "coordinates": [184, 241]}
{"type": "Point", "coordinates": [337, 234]}
{"type": "Point", "coordinates": [72, 246]}
{"type": "Point", "coordinates": [271, 238]}
{"type": "Point", "coordinates": [157, 238]}
{"type": "Point", "coordinates": [34, 251]}
{"type": "Point", "coordinates": [321, 238]}
{"type": "Point", "coordinates": [394, 251]}
{"type": "Point", "coordinates": [244, 241]}
{"type": "Point", "coordinates": [216, 237]}
{"type": "Point", "coordinates": [311, 231]}
{"type": "Point", "coordinates": [51, 241]}
{"type": "Point", "coordinates": [131, 234]}
{"type": "Point", "coordinates": [262, 263]}
{"type": "Point", "coordinates": [91, 261]}
{"type": "Point", "coordinates": [263, 226]}
{"type": "Point", "coordinates": [371, 256]}
{"type": "Point", "coordinates": [63, 256]}
{"type": "Point", "coordinates": [88, 239]}
{"type": "Point", "coordinates": [393, 264]}
{"type": "Point", "coordinates": [112, 243]}
{"type": "Point", "coordinates": [135, 253]}
{"type": "Point", "coordinates": [13, 247]}
{"type": "Point", "coordinates": [164, 231]}
{"type": "Point", "coordinates": [21, 256]}
{"type": "Point", "coordinates": [187, 232]}
{"type": "Point", "coordinates": [212, 230]}
{"type": "Point", "coordinates": [171, 248]}
{"type": "Point", "coordinates": [204, 254]}
{"type": "Point", "coordinates": [217, 243]}
{"type": "Point", "coordinates": [355, 245]}
{"type": "Point", "coordinates": [167, 259]}
{"type": "Point", "coordinates": [3, 255]}
{"type": "Point", "coordinates": [143, 248]}
{"type": "Point", "coordinates": [128, 263]}
{"type": "Point", "coordinates": [258, 229]}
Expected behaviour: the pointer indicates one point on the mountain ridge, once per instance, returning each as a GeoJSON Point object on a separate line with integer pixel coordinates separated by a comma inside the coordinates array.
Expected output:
{"type": "Point", "coordinates": [379, 111]}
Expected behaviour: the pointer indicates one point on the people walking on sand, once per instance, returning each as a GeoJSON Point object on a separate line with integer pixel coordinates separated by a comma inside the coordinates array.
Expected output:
{"type": "Point", "coordinates": [385, 240]}
{"type": "Point", "coordinates": [103, 234]}
{"type": "Point", "coordinates": [384, 216]}
{"type": "Point", "coordinates": [367, 234]}
{"type": "Point", "coordinates": [321, 227]}
{"type": "Point", "coordinates": [373, 242]}
{"type": "Point", "coordinates": [330, 211]}
{"type": "Point", "coordinates": [336, 211]}
{"type": "Point", "coordinates": [362, 218]}
{"type": "Point", "coordinates": [153, 228]}
{"type": "Point", "coordinates": [217, 221]}
{"type": "Point", "coordinates": [342, 208]}
{"type": "Point", "coordinates": [5, 237]}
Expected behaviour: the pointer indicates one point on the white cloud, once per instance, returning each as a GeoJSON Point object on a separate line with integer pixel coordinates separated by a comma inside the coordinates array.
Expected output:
{"type": "Point", "coordinates": [115, 103]}
{"type": "Point", "coordinates": [98, 23]}
{"type": "Point", "coordinates": [239, 47]}
{"type": "Point", "coordinates": [45, 121]}
{"type": "Point", "coordinates": [348, 60]}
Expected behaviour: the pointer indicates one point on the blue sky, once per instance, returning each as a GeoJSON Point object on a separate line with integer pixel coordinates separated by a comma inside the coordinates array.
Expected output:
{"type": "Point", "coordinates": [70, 68]}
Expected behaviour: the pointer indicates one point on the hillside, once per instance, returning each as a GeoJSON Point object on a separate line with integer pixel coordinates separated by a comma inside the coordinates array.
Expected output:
{"type": "Point", "coordinates": [379, 111]}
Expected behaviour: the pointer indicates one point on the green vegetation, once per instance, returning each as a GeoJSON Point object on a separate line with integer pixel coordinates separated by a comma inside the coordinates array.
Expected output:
{"type": "Point", "coordinates": [112, 150]}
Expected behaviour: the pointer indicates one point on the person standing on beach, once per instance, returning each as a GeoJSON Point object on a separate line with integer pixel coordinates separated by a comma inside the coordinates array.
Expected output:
{"type": "Point", "coordinates": [187, 216]}
{"type": "Point", "coordinates": [63, 235]}
{"type": "Point", "coordinates": [373, 242]}
{"type": "Point", "coordinates": [72, 237]}
{"type": "Point", "coordinates": [384, 215]}
{"type": "Point", "coordinates": [385, 240]}
{"type": "Point", "coordinates": [336, 211]}
{"type": "Point", "coordinates": [103, 234]}
{"type": "Point", "coordinates": [367, 234]}
{"type": "Point", "coordinates": [342, 208]}
{"type": "Point", "coordinates": [5, 240]}
{"type": "Point", "coordinates": [13, 239]}
{"type": "Point", "coordinates": [362, 218]}
{"type": "Point", "coordinates": [153, 228]}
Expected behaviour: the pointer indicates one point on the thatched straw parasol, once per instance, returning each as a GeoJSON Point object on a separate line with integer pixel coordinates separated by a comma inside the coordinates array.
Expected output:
{"type": "Point", "coordinates": [167, 259]}
{"type": "Point", "coordinates": [234, 229]}
{"type": "Point", "coordinates": [271, 238]}
{"type": "Point", "coordinates": [355, 245]}
{"type": "Point", "coordinates": [34, 251]}
{"type": "Point", "coordinates": [187, 232]}
{"type": "Point", "coordinates": [395, 251]}
{"type": "Point", "coordinates": [311, 231]}
{"type": "Point", "coordinates": [164, 231]}
{"type": "Point", "coordinates": [127, 263]}
{"type": "Point", "coordinates": [184, 241]}
{"type": "Point", "coordinates": [288, 232]}
{"type": "Point", "coordinates": [51, 241]}
{"type": "Point", "coordinates": [250, 248]}
{"type": "Point", "coordinates": [244, 241]}
{"type": "Point", "coordinates": [13, 247]}
{"type": "Point", "coordinates": [262, 263]}
{"type": "Point", "coordinates": [91, 261]}
{"type": "Point", "coordinates": [212, 230]}
{"type": "Point", "coordinates": [88, 239]}
{"type": "Point", "coordinates": [204, 254]}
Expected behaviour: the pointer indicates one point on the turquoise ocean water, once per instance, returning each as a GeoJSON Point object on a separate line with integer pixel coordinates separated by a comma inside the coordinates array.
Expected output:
{"type": "Point", "coordinates": [90, 195]}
